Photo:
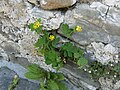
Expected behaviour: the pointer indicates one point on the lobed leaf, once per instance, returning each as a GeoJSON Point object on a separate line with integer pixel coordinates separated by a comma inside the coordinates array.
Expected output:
{"type": "Point", "coordinates": [82, 62]}
{"type": "Point", "coordinates": [33, 76]}
{"type": "Point", "coordinates": [52, 85]}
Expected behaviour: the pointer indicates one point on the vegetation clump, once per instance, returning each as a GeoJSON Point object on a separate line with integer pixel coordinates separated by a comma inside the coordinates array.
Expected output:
{"type": "Point", "coordinates": [57, 55]}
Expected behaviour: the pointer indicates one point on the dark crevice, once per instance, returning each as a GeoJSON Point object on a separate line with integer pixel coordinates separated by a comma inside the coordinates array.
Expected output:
{"type": "Point", "coordinates": [107, 12]}
{"type": "Point", "coordinates": [1, 57]}
{"type": "Point", "coordinates": [63, 36]}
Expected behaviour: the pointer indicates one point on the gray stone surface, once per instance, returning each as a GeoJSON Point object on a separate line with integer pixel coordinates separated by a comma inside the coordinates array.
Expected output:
{"type": "Point", "coordinates": [6, 77]}
{"type": "Point", "coordinates": [100, 21]}
{"type": "Point", "coordinates": [108, 84]}
{"type": "Point", "coordinates": [9, 69]}
{"type": "Point", "coordinates": [78, 77]}
{"type": "Point", "coordinates": [22, 13]}
{"type": "Point", "coordinates": [103, 53]}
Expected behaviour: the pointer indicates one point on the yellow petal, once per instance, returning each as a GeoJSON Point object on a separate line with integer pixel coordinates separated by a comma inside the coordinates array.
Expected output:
{"type": "Point", "coordinates": [36, 25]}
{"type": "Point", "coordinates": [78, 28]}
{"type": "Point", "coordinates": [52, 37]}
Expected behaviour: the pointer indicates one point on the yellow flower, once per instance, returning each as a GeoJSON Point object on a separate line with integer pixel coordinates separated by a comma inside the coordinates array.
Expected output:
{"type": "Point", "coordinates": [78, 28]}
{"type": "Point", "coordinates": [52, 37]}
{"type": "Point", "coordinates": [36, 25]}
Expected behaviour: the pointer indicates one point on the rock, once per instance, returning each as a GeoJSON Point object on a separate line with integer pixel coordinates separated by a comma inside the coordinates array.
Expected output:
{"type": "Point", "coordinates": [78, 77]}
{"type": "Point", "coordinates": [103, 27]}
{"type": "Point", "coordinates": [6, 77]}
{"type": "Point", "coordinates": [100, 34]}
{"type": "Point", "coordinates": [110, 49]}
{"type": "Point", "coordinates": [112, 2]}
{"type": "Point", "coordinates": [117, 85]}
{"type": "Point", "coordinates": [22, 13]}
{"type": "Point", "coordinates": [10, 47]}
{"type": "Point", "coordinates": [103, 53]}
{"type": "Point", "coordinates": [50, 19]}
{"type": "Point", "coordinates": [100, 7]}
{"type": "Point", "coordinates": [55, 4]}
{"type": "Point", "coordinates": [107, 84]}
{"type": "Point", "coordinates": [12, 69]}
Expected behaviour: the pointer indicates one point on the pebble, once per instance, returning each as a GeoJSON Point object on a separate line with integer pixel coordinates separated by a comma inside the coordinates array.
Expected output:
{"type": "Point", "coordinates": [55, 4]}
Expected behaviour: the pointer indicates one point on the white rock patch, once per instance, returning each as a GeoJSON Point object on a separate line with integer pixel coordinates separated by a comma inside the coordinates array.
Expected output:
{"type": "Point", "coordinates": [103, 53]}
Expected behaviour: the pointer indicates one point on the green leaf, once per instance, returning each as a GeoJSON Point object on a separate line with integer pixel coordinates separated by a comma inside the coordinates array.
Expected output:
{"type": "Point", "coordinates": [33, 76]}
{"type": "Point", "coordinates": [39, 20]}
{"type": "Point", "coordinates": [76, 55]}
{"type": "Point", "coordinates": [82, 62]}
{"type": "Point", "coordinates": [117, 68]}
{"type": "Point", "coordinates": [42, 86]}
{"type": "Point", "coordinates": [30, 26]}
{"type": "Point", "coordinates": [52, 85]}
{"type": "Point", "coordinates": [65, 54]}
{"type": "Point", "coordinates": [53, 76]}
{"type": "Point", "coordinates": [61, 86]}
{"type": "Point", "coordinates": [67, 47]}
{"type": "Point", "coordinates": [48, 75]}
{"type": "Point", "coordinates": [66, 31]}
{"type": "Point", "coordinates": [60, 77]}
{"type": "Point", "coordinates": [38, 30]}
{"type": "Point", "coordinates": [40, 42]}
{"type": "Point", "coordinates": [54, 64]}
{"type": "Point", "coordinates": [81, 52]}
{"type": "Point", "coordinates": [69, 54]}
{"type": "Point", "coordinates": [60, 65]}
{"type": "Point", "coordinates": [52, 55]}
{"type": "Point", "coordinates": [35, 69]}
{"type": "Point", "coordinates": [48, 61]}
{"type": "Point", "coordinates": [55, 42]}
{"type": "Point", "coordinates": [16, 80]}
{"type": "Point", "coordinates": [65, 27]}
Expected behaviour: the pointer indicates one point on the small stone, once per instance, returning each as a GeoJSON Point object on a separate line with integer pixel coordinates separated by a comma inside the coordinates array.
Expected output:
{"type": "Point", "coordinates": [55, 4]}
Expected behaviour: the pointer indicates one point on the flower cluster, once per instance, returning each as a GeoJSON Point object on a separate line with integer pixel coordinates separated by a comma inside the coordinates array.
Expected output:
{"type": "Point", "coordinates": [78, 28]}
{"type": "Point", "coordinates": [36, 25]}
{"type": "Point", "coordinates": [52, 37]}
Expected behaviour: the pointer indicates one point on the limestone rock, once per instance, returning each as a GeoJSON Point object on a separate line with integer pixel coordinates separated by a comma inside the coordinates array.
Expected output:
{"type": "Point", "coordinates": [55, 4]}
{"type": "Point", "coordinates": [103, 53]}
{"type": "Point", "coordinates": [97, 26]}
{"type": "Point", "coordinates": [50, 19]}
{"type": "Point", "coordinates": [21, 13]}
{"type": "Point", "coordinates": [112, 2]}
{"type": "Point", "coordinates": [107, 84]}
